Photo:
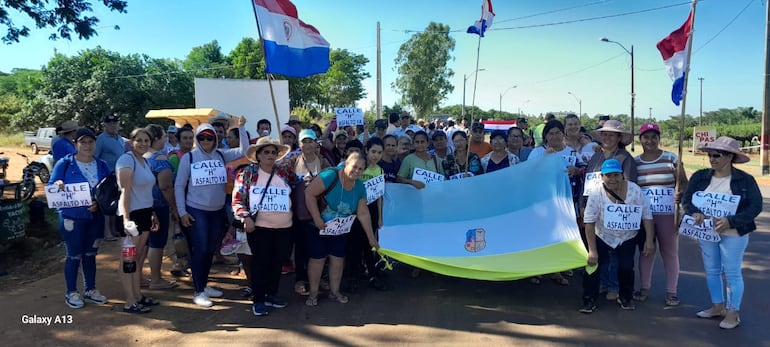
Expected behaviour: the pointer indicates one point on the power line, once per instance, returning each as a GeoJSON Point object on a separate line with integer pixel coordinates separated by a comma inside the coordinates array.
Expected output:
{"type": "Point", "coordinates": [550, 12]}
{"type": "Point", "coordinates": [725, 27]}
{"type": "Point", "coordinates": [578, 71]}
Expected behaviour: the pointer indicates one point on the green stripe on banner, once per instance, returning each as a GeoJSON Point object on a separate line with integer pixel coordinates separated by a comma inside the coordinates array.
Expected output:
{"type": "Point", "coordinates": [502, 267]}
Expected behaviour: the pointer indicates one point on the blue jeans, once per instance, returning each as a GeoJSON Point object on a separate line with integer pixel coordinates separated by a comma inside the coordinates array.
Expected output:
{"type": "Point", "coordinates": [608, 273]}
{"type": "Point", "coordinates": [725, 255]}
{"type": "Point", "coordinates": [81, 244]}
{"type": "Point", "coordinates": [204, 238]}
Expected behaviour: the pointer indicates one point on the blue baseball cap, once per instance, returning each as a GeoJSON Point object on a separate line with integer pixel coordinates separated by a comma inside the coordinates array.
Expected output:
{"type": "Point", "coordinates": [611, 166]}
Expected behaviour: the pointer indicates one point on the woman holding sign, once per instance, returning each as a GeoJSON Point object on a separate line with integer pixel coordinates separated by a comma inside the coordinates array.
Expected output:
{"type": "Point", "coordinates": [79, 226]}
{"type": "Point", "coordinates": [613, 217]}
{"type": "Point", "coordinates": [261, 199]}
{"type": "Point", "coordinates": [199, 191]}
{"type": "Point", "coordinates": [722, 203]}
{"type": "Point", "coordinates": [420, 167]}
{"type": "Point", "coordinates": [345, 196]}
{"type": "Point", "coordinates": [657, 171]}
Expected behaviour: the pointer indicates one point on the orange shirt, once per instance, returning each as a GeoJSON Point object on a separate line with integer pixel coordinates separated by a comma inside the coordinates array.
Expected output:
{"type": "Point", "coordinates": [481, 149]}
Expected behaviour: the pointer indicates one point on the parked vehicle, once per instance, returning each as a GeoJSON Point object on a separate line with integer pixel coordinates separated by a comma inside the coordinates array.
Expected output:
{"type": "Point", "coordinates": [28, 177]}
{"type": "Point", "coordinates": [40, 139]}
{"type": "Point", "coordinates": [46, 167]}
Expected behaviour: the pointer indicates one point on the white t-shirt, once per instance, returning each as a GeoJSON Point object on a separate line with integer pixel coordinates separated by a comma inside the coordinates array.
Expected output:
{"type": "Point", "coordinates": [141, 185]}
{"type": "Point", "coordinates": [571, 158]}
{"type": "Point", "coordinates": [598, 200]}
{"type": "Point", "coordinates": [722, 185]}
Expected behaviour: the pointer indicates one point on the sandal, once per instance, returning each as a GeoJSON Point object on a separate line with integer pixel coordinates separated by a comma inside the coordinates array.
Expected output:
{"type": "Point", "coordinates": [148, 301]}
{"type": "Point", "coordinates": [642, 295]}
{"type": "Point", "coordinates": [137, 308]}
{"type": "Point", "coordinates": [311, 301]}
{"type": "Point", "coordinates": [672, 300]}
{"type": "Point", "coordinates": [339, 298]}
{"type": "Point", "coordinates": [301, 289]}
{"type": "Point", "coordinates": [163, 284]}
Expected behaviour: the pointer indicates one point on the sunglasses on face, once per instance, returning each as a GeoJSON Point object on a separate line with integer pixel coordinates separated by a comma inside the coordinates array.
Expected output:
{"type": "Point", "coordinates": [716, 155]}
{"type": "Point", "coordinates": [205, 138]}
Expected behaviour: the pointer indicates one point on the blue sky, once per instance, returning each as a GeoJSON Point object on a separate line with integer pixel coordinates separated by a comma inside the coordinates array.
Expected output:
{"type": "Point", "coordinates": [545, 63]}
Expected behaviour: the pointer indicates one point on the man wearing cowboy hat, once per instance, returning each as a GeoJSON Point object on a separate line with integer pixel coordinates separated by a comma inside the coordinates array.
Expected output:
{"type": "Point", "coordinates": [65, 144]}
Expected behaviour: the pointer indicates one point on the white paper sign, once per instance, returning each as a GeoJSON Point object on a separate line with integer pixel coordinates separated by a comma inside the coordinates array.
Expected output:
{"type": "Point", "coordinates": [375, 188]}
{"type": "Point", "coordinates": [717, 205]}
{"type": "Point", "coordinates": [73, 195]}
{"type": "Point", "coordinates": [661, 199]}
{"type": "Point", "coordinates": [704, 232]}
{"type": "Point", "coordinates": [208, 172]}
{"type": "Point", "coordinates": [349, 116]}
{"type": "Point", "coordinates": [622, 217]}
{"type": "Point", "coordinates": [593, 183]}
{"type": "Point", "coordinates": [461, 175]}
{"type": "Point", "coordinates": [426, 176]}
{"type": "Point", "coordinates": [338, 226]}
{"type": "Point", "coordinates": [570, 159]}
{"type": "Point", "coordinates": [276, 199]}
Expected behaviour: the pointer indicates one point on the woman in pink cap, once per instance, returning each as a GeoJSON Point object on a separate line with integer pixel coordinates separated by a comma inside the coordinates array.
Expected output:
{"type": "Point", "coordinates": [724, 202]}
{"type": "Point", "coordinates": [657, 176]}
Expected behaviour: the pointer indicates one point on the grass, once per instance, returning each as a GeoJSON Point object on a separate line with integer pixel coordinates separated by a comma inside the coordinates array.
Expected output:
{"type": "Point", "coordinates": [11, 139]}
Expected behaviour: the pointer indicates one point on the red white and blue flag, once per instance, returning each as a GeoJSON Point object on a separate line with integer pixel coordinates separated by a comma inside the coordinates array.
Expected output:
{"type": "Point", "coordinates": [674, 49]}
{"type": "Point", "coordinates": [487, 16]}
{"type": "Point", "coordinates": [292, 47]}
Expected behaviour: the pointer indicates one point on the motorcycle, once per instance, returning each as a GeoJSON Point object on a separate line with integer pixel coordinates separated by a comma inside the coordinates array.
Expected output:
{"type": "Point", "coordinates": [28, 177]}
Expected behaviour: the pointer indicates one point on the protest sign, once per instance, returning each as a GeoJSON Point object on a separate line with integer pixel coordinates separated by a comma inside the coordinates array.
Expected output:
{"type": "Point", "coordinates": [349, 116]}
{"type": "Point", "coordinates": [276, 199]}
{"type": "Point", "coordinates": [375, 188]}
{"type": "Point", "coordinates": [622, 217]}
{"type": "Point", "coordinates": [661, 199]}
{"type": "Point", "coordinates": [704, 232]}
{"type": "Point", "coordinates": [338, 226]}
{"type": "Point", "coordinates": [207, 172]}
{"type": "Point", "coordinates": [73, 195]}
{"type": "Point", "coordinates": [718, 205]}
{"type": "Point", "coordinates": [427, 176]}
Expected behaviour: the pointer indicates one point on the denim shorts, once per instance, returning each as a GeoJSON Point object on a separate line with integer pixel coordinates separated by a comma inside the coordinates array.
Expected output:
{"type": "Point", "coordinates": [321, 246]}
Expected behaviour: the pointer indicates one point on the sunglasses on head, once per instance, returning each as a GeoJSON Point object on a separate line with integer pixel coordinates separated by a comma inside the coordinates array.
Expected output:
{"type": "Point", "coordinates": [205, 138]}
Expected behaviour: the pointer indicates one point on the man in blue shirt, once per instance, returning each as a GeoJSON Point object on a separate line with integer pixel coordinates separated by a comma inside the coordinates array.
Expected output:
{"type": "Point", "coordinates": [109, 144]}
{"type": "Point", "coordinates": [109, 147]}
{"type": "Point", "coordinates": [65, 144]}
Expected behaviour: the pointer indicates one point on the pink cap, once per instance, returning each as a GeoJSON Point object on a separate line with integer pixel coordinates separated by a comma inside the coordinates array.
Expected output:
{"type": "Point", "coordinates": [289, 129]}
{"type": "Point", "coordinates": [649, 127]}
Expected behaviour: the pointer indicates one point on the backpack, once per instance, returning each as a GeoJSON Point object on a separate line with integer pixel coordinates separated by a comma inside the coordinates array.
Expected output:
{"type": "Point", "coordinates": [107, 193]}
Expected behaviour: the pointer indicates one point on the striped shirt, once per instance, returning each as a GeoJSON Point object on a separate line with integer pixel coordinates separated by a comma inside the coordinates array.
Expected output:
{"type": "Point", "coordinates": [659, 172]}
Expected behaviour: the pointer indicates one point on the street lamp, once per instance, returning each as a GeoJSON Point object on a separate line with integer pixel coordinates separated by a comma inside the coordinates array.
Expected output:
{"type": "Point", "coordinates": [631, 53]}
{"type": "Point", "coordinates": [501, 97]}
{"type": "Point", "coordinates": [522, 105]}
{"type": "Point", "coordinates": [465, 81]}
{"type": "Point", "coordinates": [580, 103]}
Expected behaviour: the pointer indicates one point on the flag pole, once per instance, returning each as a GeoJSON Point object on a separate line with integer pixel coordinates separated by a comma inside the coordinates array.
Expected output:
{"type": "Point", "coordinates": [473, 103]}
{"type": "Point", "coordinates": [268, 76]}
{"type": "Point", "coordinates": [680, 166]}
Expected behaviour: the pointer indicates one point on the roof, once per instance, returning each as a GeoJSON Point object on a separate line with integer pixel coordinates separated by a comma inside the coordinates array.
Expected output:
{"type": "Point", "coordinates": [193, 116]}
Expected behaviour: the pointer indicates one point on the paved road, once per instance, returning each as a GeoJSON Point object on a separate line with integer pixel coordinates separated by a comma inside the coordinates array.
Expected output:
{"type": "Point", "coordinates": [429, 310]}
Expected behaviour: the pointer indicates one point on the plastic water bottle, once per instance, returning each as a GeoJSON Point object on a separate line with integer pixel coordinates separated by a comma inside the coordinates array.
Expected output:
{"type": "Point", "coordinates": [129, 256]}
{"type": "Point", "coordinates": [180, 246]}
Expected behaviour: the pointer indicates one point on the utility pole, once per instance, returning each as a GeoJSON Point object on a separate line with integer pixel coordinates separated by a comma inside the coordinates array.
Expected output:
{"type": "Point", "coordinates": [700, 120]}
{"type": "Point", "coordinates": [379, 74]}
{"type": "Point", "coordinates": [633, 96]}
{"type": "Point", "coordinates": [650, 114]}
{"type": "Point", "coordinates": [765, 148]}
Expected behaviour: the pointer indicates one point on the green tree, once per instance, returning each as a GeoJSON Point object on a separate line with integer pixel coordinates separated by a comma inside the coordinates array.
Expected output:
{"type": "Point", "coordinates": [421, 63]}
{"type": "Point", "coordinates": [65, 16]}
{"type": "Point", "coordinates": [247, 60]}
{"type": "Point", "coordinates": [207, 61]}
{"type": "Point", "coordinates": [342, 84]}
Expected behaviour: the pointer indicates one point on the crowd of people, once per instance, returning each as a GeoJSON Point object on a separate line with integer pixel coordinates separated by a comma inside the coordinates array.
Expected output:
{"type": "Point", "coordinates": [306, 196]}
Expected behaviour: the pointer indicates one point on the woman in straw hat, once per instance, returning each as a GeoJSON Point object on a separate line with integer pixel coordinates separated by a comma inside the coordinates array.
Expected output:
{"type": "Point", "coordinates": [261, 200]}
{"type": "Point", "coordinates": [614, 138]}
{"type": "Point", "coordinates": [65, 143]}
{"type": "Point", "coordinates": [739, 202]}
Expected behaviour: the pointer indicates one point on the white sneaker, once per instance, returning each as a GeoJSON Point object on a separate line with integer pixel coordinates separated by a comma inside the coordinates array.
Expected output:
{"type": "Point", "coordinates": [93, 296]}
{"type": "Point", "coordinates": [74, 300]}
{"type": "Point", "coordinates": [212, 293]}
{"type": "Point", "coordinates": [201, 299]}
